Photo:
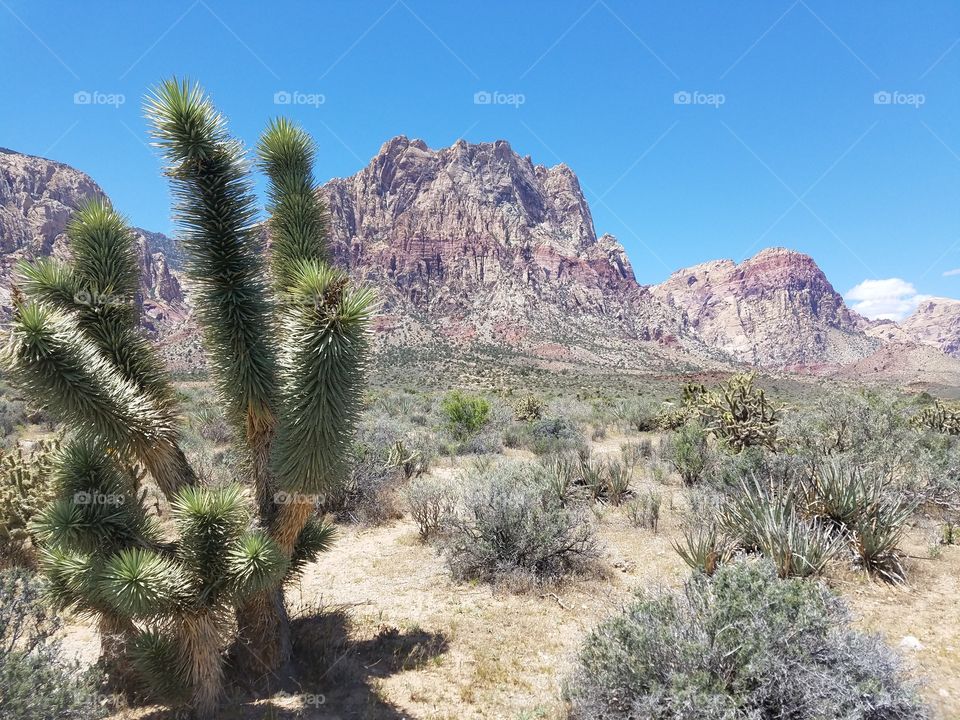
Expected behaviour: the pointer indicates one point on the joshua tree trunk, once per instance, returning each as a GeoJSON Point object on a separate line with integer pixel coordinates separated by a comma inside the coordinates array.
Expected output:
{"type": "Point", "coordinates": [263, 646]}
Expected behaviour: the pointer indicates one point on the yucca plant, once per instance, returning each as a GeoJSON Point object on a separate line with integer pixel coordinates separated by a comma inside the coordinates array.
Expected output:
{"type": "Point", "coordinates": [286, 340]}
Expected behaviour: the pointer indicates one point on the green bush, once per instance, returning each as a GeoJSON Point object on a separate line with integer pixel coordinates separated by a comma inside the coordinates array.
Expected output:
{"type": "Point", "coordinates": [36, 682]}
{"type": "Point", "coordinates": [465, 414]}
{"type": "Point", "coordinates": [513, 527]}
{"type": "Point", "coordinates": [688, 452]}
{"type": "Point", "coordinates": [742, 645]}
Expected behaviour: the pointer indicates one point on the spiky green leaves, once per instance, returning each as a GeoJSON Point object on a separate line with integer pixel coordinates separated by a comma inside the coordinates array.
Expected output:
{"type": "Point", "coordinates": [323, 378]}
{"type": "Point", "coordinates": [104, 255]}
{"type": "Point", "coordinates": [52, 360]}
{"type": "Point", "coordinates": [316, 537]}
{"type": "Point", "coordinates": [159, 662]}
{"type": "Point", "coordinates": [298, 220]}
{"type": "Point", "coordinates": [223, 557]}
{"type": "Point", "coordinates": [255, 563]}
{"type": "Point", "coordinates": [97, 507]}
{"type": "Point", "coordinates": [140, 583]}
{"type": "Point", "coordinates": [215, 209]}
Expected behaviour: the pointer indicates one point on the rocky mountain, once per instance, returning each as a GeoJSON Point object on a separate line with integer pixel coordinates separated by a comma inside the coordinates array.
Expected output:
{"type": "Point", "coordinates": [473, 247]}
{"type": "Point", "coordinates": [482, 245]}
{"type": "Point", "coordinates": [37, 197]}
{"type": "Point", "coordinates": [775, 309]}
{"type": "Point", "coordinates": [935, 322]}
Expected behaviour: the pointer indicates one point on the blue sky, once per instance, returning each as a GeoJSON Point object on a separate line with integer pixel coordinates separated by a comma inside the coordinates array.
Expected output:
{"type": "Point", "coordinates": [698, 130]}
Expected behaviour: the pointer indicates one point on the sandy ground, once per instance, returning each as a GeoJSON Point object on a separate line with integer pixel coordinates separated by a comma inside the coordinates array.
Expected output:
{"type": "Point", "coordinates": [402, 640]}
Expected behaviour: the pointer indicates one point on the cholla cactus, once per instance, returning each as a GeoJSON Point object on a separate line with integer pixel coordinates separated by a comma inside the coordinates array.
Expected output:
{"type": "Point", "coordinates": [736, 412]}
{"type": "Point", "coordinates": [528, 408]}
{"type": "Point", "coordinates": [939, 419]}
{"type": "Point", "coordinates": [25, 490]}
{"type": "Point", "coordinates": [286, 344]}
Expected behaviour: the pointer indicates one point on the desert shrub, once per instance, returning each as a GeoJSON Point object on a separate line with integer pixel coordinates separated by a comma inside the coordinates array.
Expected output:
{"type": "Point", "coordinates": [617, 482]}
{"type": "Point", "coordinates": [554, 435]}
{"type": "Point", "coordinates": [729, 470]}
{"type": "Point", "coordinates": [512, 526]}
{"type": "Point", "coordinates": [37, 682]}
{"type": "Point", "coordinates": [561, 480]}
{"type": "Point", "coordinates": [704, 547]}
{"type": "Point", "coordinates": [865, 510]}
{"type": "Point", "coordinates": [211, 424]}
{"type": "Point", "coordinates": [464, 414]}
{"type": "Point", "coordinates": [411, 457]}
{"type": "Point", "coordinates": [741, 645]}
{"type": "Point", "coordinates": [639, 415]}
{"type": "Point", "coordinates": [769, 520]}
{"type": "Point", "coordinates": [431, 502]}
{"type": "Point", "coordinates": [528, 408]}
{"type": "Point", "coordinates": [644, 510]}
{"type": "Point", "coordinates": [26, 489]}
{"type": "Point", "coordinates": [632, 453]}
{"type": "Point", "coordinates": [688, 452]}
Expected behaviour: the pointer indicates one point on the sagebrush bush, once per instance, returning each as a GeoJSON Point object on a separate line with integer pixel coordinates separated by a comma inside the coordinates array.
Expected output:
{"type": "Point", "coordinates": [553, 435]}
{"type": "Point", "coordinates": [36, 681]}
{"type": "Point", "coordinates": [742, 645]}
{"type": "Point", "coordinates": [431, 503]}
{"type": "Point", "coordinates": [512, 526]}
{"type": "Point", "coordinates": [688, 452]}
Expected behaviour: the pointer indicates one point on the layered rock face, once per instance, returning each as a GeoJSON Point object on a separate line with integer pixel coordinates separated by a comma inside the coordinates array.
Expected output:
{"type": "Point", "coordinates": [775, 309]}
{"type": "Point", "coordinates": [496, 246]}
{"type": "Point", "coordinates": [936, 322]}
{"type": "Point", "coordinates": [37, 198]}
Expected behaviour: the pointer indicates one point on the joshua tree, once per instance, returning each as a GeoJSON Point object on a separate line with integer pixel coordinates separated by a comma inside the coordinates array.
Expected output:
{"type": "Point", "coordinates": [285, 340]}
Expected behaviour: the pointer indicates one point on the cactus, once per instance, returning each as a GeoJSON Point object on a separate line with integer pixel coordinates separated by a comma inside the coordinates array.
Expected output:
{"type": "Point", "coordinates": [286, 340]}
{"type": "Point", "coordinates": [528, 408]}
{"type": "Point", "coordinates": [25, 490]}
{"type": "Point", "coordinates": [939, 418]}
{"type": "Point", "coordinates": [736, 412]}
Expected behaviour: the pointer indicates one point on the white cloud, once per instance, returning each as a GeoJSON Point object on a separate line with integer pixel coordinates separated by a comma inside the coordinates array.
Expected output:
{"type": "Point", "coordinates": [890, 299]}
{"type": "Point", "coordinates": [951, 273]}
